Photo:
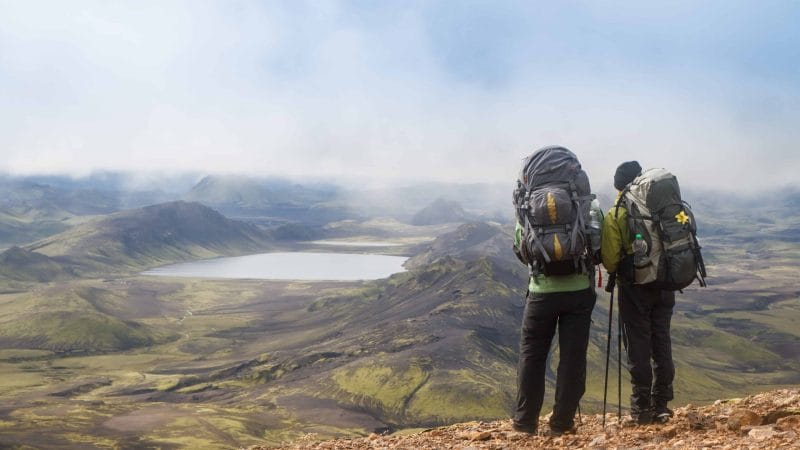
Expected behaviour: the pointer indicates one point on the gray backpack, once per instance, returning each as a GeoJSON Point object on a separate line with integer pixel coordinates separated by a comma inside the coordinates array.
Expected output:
{"type": "Point", "coordinates": [552, 201]}
{"type": "Point", "coordinates": [667, 225]}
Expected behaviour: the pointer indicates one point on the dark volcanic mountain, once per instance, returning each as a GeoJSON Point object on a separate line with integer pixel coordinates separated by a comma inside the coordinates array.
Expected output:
{"type": "Point", "coordinates": [154, 235]}
{"type": "Point", "coordinates": [469, 241]}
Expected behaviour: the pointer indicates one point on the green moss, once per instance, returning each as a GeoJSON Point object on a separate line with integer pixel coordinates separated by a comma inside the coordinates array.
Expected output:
{"type": "Point", "coordinates": [389, 386]}
{"type": "Point", "coordinates": [192, 389]}
{"type": "Point", "coordinates": [14, 354]}
{"type": "Point", "coordinates": [707, 345]}
{"type": "Point", "coordinates": [346, 298]}
{"type": "Point", "coordinates": [459, 395]}
{"type": "Point", "coordinates": [74, 331]}
{"type": "Point", "coordinates": [93, 440]}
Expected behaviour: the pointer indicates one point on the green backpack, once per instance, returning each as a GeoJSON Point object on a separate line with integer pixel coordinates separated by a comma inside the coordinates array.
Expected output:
{"type": "Point", "coordinates": [672, 260]}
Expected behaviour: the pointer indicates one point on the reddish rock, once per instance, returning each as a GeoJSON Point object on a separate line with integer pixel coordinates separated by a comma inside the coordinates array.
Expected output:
{"type": "Point", "coordinates": [774, 416]}
{"type": "Point", "coordinates": [743, 418]}
{"type": "Point", "coordinates": [480, 436]}
{"type": "Point", "coordinates": [669, 432]}
{"type": "Point", "coordinates": [788, 423]}
{"type": "Point", "coordinates": [762, 433]}
{"type": "Point", "coordinates": [598, 441]}
{"type": "Point", "coordinates": [695, 420]}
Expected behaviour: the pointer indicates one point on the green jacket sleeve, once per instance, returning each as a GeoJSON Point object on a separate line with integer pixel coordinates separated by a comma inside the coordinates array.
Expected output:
{"type": "Point", "coordinates": [613, 236]}
{"type": "Point", "coordinates": [517, 235]}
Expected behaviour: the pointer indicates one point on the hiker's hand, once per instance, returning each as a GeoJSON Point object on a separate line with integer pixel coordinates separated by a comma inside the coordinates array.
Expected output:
{"type": "Point", "coordinates": [612, 281]}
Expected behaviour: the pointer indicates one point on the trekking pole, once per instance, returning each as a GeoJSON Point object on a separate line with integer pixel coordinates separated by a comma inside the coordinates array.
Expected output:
{"type": "Point", "coordinates": [619, 361]}
{"type": "Point", "coordinates": [609, 288]}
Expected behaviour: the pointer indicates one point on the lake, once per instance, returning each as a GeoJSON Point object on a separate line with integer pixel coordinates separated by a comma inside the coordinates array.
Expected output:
{"type": "Point", "coordinates": [289, 266]}
{"type": "Point", "coordinates": [358, 243]}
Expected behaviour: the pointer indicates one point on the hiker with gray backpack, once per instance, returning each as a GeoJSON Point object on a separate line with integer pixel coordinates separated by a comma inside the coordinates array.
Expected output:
{"type": "Point", "coordinates": [649, 246]}
{"type": "Point", "coordinates": [558, 238]}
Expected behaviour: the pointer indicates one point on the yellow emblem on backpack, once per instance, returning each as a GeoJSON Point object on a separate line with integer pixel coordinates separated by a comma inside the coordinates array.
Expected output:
{"type": "Point", "coordinates": [558, 253]}
{"type": "Point", "coordinates": [552, 211]}
{"type": "Point", "coordinates": [682, 218]}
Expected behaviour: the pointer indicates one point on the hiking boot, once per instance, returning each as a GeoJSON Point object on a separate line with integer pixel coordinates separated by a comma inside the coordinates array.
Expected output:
{"type": "Point", "coordinates": [556, 431]}
{"type": "Point", "coordinates": [662, 414]}
{"type": "Point", "coordinates": [529, 429]}
{"type": "Point", "coordinates": [638, 418]}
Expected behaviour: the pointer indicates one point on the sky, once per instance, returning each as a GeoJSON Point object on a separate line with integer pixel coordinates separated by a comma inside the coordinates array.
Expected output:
{"type": "Point", "coordinates": [400, 91]}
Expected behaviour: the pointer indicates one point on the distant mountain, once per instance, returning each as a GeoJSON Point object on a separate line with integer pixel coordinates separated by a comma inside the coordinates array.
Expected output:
{"type": "Point", "coordinates": [30, 211]}
{"type": "Point", "coordinates": [245, 197]}
{"type": "Point", "coordinates": [484, 201]}
{"type": "Point", "coordinates": [154, 235]}
{"type": "Point", "coordinates": [469, 241]}
{"type": "Point", "coordinates": [34, 207]}
{"type": "Point", "coordinates": [16, 230]}
{"type": "Point", "coordinates": [229, 191]}
{"type": "Point", "coordinates": [439, 212]}
{"type": "Point", "coordinates": [34, 201]}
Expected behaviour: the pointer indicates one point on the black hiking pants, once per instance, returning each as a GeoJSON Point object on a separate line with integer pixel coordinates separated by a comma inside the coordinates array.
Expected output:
{"type": "Point", "coordinates": [571, 313]}
{"type": "Point", "coordinates": [646, 315]}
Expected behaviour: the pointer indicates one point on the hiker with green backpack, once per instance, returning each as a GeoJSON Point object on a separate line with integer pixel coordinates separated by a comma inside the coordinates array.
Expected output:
{"type": "Point", "coordinates": [557, 237]}
{"type": "Point", "coordinates": [649, 246]}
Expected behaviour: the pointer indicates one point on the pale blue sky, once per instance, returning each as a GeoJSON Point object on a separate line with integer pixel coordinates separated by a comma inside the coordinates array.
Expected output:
{"type": "Point", "coordinates": [451, 90]}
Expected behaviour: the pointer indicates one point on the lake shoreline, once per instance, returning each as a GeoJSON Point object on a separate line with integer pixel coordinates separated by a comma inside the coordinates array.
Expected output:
{"type": "Point", "coordinates": [288, 266]}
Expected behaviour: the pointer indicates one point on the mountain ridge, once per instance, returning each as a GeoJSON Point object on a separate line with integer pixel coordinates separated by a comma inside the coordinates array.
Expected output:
{"type": "Point", "coordinates": [133, 240]}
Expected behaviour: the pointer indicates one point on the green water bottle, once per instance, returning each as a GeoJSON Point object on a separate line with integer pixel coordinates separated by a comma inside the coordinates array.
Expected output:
{"type": "Point", "coordinates": [639, 251]}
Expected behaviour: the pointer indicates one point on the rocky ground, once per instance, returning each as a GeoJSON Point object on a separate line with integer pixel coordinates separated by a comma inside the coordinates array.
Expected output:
{"type": "Point", "coordinates": [769, 420]}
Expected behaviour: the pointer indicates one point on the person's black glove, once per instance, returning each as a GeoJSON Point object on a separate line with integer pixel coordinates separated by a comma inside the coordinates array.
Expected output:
{"type": "Point", "coordinates": [612, 282]}
{"type": "Point", "coordinates": [596, 258]}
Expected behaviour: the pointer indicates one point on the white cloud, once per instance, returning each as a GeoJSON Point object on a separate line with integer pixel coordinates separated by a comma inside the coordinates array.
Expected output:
{"type": "Point", "coordinates": [327, 89]}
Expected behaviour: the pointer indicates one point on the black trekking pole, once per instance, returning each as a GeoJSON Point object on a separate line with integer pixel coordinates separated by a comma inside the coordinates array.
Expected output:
{"type": "Point", "coordinates": [612, 278]}
{"type": "Point", "coordinates": [619, 361]}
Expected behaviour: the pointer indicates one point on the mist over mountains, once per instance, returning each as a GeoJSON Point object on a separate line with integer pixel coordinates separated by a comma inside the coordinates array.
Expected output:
{"type": "Point", "coordinates": [43, 203]}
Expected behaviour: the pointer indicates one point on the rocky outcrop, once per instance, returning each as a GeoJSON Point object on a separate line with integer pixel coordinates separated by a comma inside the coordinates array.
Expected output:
{"type": "Point", "coordinates": [764, 421]}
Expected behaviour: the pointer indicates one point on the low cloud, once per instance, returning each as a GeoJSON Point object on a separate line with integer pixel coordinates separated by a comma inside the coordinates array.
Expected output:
{"type": "Point", "coordinates": [454, 91]}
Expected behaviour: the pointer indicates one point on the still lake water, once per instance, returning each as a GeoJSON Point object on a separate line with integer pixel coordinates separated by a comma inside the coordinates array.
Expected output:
{"type": "Point", "coordinates": [289, 266]}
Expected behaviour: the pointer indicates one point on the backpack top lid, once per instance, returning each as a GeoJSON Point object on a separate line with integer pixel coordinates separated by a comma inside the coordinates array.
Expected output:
{"type": "Point", "coordinates": [657, 188]}
{"type": "Point", "coordinates": [552, 164]}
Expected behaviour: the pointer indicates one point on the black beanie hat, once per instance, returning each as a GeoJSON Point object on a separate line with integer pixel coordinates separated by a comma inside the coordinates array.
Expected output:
{"type": "Point", "coordinates": [625, 173]}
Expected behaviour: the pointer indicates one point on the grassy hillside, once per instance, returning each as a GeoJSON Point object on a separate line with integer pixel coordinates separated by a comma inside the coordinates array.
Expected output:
{"type": "Point", "coordinates": [23, 265]}
{"type": "Point", "coordinates": [75, 318]}
{"type": "Point", "coordinates": [136, 239]}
